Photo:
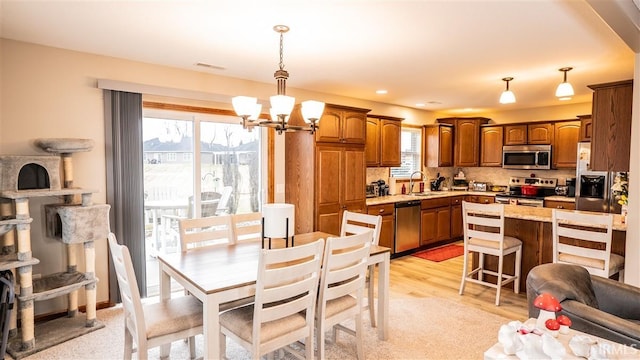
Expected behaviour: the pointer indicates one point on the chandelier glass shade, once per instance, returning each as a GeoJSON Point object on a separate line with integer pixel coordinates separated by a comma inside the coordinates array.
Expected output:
{"type": "Point", "coordinates": [507, 96]}
{"type": "Point", "coordinates": [564, 90]}
{"type": "Point", "coordinates": [249, 109]}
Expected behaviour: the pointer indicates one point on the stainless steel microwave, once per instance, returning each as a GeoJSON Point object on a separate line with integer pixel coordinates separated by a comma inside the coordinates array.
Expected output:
{"type": "Point", "coordinates": [526, 157]}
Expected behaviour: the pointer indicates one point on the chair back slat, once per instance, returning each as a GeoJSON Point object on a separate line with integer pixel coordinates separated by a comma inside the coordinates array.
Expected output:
{"type": "Point", "coordinates": [207, 231]}
{"type": "Point", "coordinates": [483, 222]}
{"type": "Point", "coordinates": [357, 223]}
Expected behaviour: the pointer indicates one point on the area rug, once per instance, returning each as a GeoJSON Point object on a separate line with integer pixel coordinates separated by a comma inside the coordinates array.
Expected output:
{"type": "Point", "coordinates": [419, 328]}
{"type": "Point", "coordinates": [441, 253]}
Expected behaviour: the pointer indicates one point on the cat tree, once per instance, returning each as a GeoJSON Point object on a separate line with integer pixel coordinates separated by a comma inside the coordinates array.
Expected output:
{"type": "Point", "coordinates": [76, 222]}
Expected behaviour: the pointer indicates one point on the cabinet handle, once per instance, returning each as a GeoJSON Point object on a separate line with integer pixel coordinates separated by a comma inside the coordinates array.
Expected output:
{"type": "Point", "coordinates": [381, 211]}
{"type": "Point", "coordinates": [559, 207]}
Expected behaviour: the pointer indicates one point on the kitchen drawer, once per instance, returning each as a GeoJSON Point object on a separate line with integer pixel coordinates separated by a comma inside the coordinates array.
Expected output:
{"type": "Point", "coordinates": [567, 205]}
{"type": "Point", "coordinates": [480, 199]}
{"type": "Point", "coordinates": [384, 209]}
{"type": "Point", "coordinates": [457, 200]}
{"type": "Point", "coordinates": [435, 203]}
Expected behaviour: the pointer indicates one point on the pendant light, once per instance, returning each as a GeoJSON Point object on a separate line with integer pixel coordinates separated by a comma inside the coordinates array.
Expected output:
{"type": "Point", "coordinates": [564, 90]}
{"type": "Point", "coordinates": [507, 96]}
{"type": "Point", "coordinates": [249, 109]}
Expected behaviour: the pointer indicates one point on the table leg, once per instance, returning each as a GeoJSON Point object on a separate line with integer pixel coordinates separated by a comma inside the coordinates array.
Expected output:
{"type": "Point", "coordinates": [165, 293]}
{"type": "Point", "coordinates": [211, 327]}
{"type": "Point", "coordinates": [383, 297]}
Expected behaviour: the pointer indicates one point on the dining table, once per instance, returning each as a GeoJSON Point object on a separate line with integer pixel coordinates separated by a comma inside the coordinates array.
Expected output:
{"type": "Point", "coordinates": [220, 274]}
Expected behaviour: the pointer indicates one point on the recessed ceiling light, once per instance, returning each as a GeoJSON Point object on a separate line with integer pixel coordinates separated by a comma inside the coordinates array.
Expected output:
{"type": "Point", "coordinates": [210, 66]}
{"type": "Point", "coordinates": [433, 102]}
{"type": "Point", "coordinates": [420, 105]}
{"type": "Point", "coordinates": [381, 92]}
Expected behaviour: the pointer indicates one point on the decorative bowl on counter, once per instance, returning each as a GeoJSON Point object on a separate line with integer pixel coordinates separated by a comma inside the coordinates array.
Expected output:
{"type": "Point", "coordinates": [499, 188]}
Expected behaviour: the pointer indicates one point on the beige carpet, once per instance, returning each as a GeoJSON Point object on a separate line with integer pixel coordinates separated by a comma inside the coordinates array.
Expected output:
{"type": "Point", "coordinates": [424, 328]}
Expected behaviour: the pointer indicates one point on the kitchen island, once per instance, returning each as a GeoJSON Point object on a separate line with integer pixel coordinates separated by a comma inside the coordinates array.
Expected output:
{"type": "Point", "coordinates": [532, 225]}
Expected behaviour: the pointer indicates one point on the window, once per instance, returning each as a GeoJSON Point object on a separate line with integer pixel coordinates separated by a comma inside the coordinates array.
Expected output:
{"type": "Point", "coordinates": [410, 153]}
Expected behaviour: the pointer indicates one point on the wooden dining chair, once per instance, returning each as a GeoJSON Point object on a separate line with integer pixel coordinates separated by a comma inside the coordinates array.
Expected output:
{"type": "Point", "coordinates": [484, 234]}
{"type": "Point", "coordinates": [585, 240]}
{"type": "Point", "coordinates": [247, 227]}
{"type": "Point", "coordinates": [285, 303]}
{"type": "Point", "coordinates": [151, 325]}
{"type": "Point", "coordinates": [342, 288]}
{"type": "Point", "coordinates": [356, 223]}
{"type": "Point", "coordinates": [207, 231]}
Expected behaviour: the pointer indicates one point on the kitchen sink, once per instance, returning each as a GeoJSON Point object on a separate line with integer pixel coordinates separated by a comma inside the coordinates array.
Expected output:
{"type": "Point", "coordinates": [424, 194]}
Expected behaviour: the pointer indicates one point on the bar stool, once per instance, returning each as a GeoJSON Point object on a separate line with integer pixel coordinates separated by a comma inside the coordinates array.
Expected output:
{"type": "Point", "coordinates": [484, 234]}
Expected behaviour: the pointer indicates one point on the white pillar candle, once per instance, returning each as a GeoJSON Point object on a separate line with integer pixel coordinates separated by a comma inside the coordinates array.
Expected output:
{"type": "Point", "coordinates": [275, 220]}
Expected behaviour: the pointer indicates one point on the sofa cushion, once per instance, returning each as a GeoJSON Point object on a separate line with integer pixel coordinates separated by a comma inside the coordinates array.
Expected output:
{"type": "Point", "coordinates": [565, 282]}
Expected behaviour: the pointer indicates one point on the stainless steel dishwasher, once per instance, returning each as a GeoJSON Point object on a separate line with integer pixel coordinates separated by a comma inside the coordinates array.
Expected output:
{"type": "Point", "coordinates": [407, 225]}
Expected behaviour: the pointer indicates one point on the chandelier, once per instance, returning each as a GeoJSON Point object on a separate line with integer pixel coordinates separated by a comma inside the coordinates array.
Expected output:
{"type": "Point", "coordinates": [248, 108]}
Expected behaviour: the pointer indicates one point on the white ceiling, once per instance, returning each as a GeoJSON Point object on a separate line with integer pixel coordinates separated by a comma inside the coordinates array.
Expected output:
{"type": "Point", "coordinates": [449, 55]}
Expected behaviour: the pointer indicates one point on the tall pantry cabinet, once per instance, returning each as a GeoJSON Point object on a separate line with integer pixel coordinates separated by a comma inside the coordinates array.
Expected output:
{"type": "Point", "coordinates": [325, 173]}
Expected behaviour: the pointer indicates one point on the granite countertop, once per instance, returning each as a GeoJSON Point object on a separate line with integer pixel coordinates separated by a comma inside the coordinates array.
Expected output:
{"type": "Point", "coordinates": [561, 198]}
{"type": "Point", "coordinates": [541, 214]}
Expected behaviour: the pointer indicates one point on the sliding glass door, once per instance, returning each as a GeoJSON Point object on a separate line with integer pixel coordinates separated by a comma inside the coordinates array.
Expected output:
{"type": "Point", "coordinates": [221, 173]}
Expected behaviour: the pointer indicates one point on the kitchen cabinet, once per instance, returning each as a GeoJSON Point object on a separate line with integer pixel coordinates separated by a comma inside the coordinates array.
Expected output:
{"type": "Point", "coordinates": [540, 133]}
{"type": "Point", "coordinates": [457, 227]}
{"type": "Point", "coordinates": [611, 116]}
{"type": "Point", "coordinates": [435, 221]}
{"type": "Point", "coordinates": [342, 124]}
{"type": "Point", "coordinates": [438, 145]}
{"type": "Point", "coordinates": [466, 137]}
{"type": "Point", "coordinates": [323, 179]}
{"type": "Point", "coordinates": [586, 128]}
{"type": "Point", "coordinates": [480, 199]}
{"type": "Point", "coordinates": [382, 147]}
{"type": "Point", "coordinates": [515, 134]}
{"type": "Point", "coordinates": [491, 145]}
{"type": "Point", "coordinates": [560, 204]}
{"type": "Point", "coordinates": [565, 145]}
{"type": "Point", "coordinates": [387, 232]}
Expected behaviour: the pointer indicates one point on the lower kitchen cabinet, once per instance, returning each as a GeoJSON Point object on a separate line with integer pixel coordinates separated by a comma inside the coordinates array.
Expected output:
{"type": "Point", "coordinates": [457, 227]}
{"type": "Point", "coordinates": [435, 221]}
{"type": "Point", "coordinates": [387, 232]}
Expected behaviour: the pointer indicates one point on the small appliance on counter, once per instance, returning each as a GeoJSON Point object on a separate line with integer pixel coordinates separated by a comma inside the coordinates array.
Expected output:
{"type": "Point", "coordinates": [460, 183]}
{"type": "Point", "coordinates": [372, 190]}
{"type": "Point", "coordinates": [480, 186]}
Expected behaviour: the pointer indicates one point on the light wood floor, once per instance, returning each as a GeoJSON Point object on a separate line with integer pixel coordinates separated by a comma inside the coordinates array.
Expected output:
{"type": "Point", "coordinates": [411, 276]}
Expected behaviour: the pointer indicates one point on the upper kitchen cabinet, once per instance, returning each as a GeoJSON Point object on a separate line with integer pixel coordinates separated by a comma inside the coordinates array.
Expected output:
{"type": "Point", "coordinates": [342, 124]}
{"type": "Point", "coordinates": [491, 145]}
{"type": "Point", "coordinates": [540, 133]}
{"type": "Point", "coordinates": [382, 147]}
{"type": "Point", "coordinates": [528, 134]}
{"type": "Point", "coordinates": [466, 137]}
{"type": "Point", "coordinates": [611, 116]}
{"type": "Point", "coordinates": [586, 128]}
{"type": "Point", "coordinates": [438, 145]}
{"type": "Point", "coordinates": [515, 134]}
{"type": "Point", "coordinates": [565, 145]}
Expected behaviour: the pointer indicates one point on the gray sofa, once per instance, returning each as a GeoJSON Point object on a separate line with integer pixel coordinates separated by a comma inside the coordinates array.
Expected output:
{"type": "Point", "coordinates": [596, 305]}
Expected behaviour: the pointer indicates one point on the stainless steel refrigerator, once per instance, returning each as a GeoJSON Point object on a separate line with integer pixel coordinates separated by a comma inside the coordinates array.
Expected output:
{"type": "Point", "coordinates": [593, 188]}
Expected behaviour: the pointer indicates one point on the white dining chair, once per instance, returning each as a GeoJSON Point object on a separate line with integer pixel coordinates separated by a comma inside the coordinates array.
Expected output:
{"type": "Point", "coordinates": [247, 227]}
{"type": "Point", "coordinates": [585, 240]}
{"type": "Point", "coordinates": [285, 303]}
{"type": "Point", "coordinates": [356, 223]}
{"type": "Point", "coordinates": [206, 231]}
{"type": "Point", "coordinates": [151, 325]}
{"type": "Point", "coordinates": [484, 234]}
{"type": "Point", "coordinates": [342, 288]}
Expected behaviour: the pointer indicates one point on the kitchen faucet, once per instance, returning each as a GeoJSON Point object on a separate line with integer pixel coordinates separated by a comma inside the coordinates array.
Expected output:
{"type": "Point", "coordinates": [411, 180]}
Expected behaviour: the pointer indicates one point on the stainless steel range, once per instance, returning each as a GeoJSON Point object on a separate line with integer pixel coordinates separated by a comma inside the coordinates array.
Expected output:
{"type": "Point", "coordinates": [536, 189]}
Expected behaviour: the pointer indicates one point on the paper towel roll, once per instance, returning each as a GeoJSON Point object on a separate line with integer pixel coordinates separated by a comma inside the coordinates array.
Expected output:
{"type": "Point", "coordinates": [275, 220]}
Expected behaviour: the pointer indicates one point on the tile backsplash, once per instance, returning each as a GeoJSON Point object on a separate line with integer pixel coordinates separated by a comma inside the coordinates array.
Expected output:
{"type": "Point", "coordinates": [493, 175]}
